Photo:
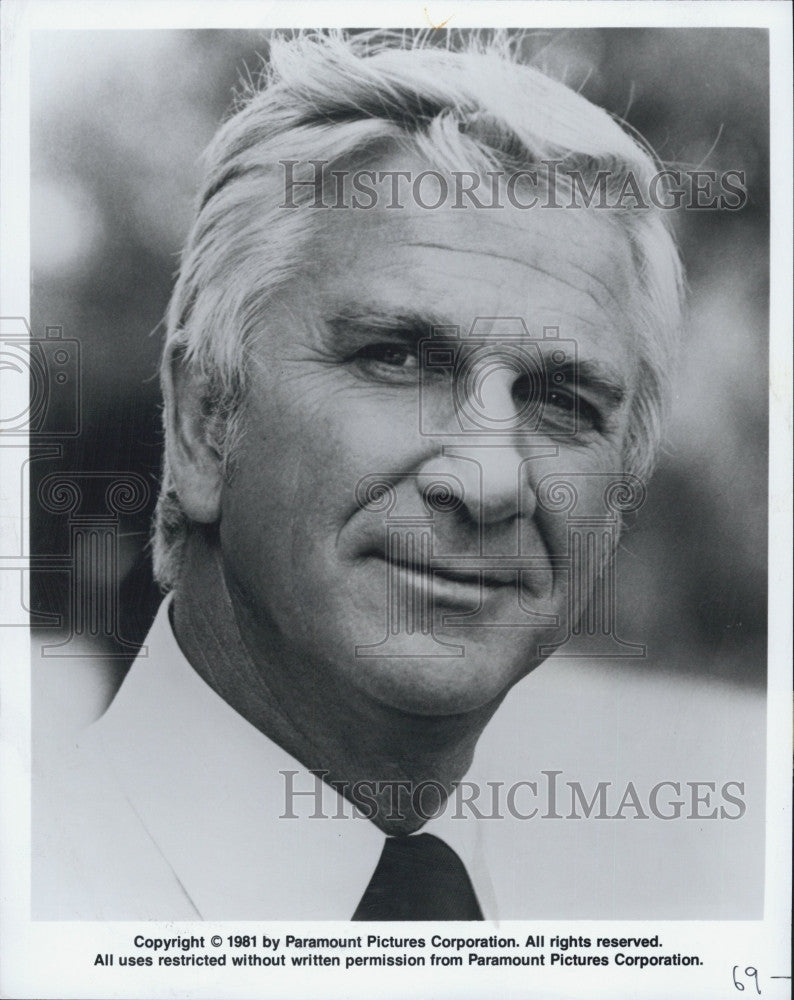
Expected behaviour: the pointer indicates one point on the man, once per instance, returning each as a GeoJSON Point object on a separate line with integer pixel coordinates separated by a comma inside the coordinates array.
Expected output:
{"type": "Point", "coordinates": [375, 391]}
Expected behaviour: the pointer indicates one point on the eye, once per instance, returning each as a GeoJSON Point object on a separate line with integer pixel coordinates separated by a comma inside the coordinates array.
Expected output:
{"type": "Point", "coordinates": [562, 400]}
{"type": "Point", "coordinates": [389, 360]}
{"type": "Point", "coordinates": [566, 411]}
{"type": "Point", "coordinates": [397, 355]}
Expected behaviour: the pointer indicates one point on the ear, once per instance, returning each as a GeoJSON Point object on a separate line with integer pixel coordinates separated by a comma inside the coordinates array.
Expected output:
{"type": "Point", "coordinates": [194, 459]}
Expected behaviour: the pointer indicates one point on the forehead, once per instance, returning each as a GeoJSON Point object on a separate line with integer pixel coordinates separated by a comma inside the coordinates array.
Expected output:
{"type": "Point", "coordinates": [570, 268]}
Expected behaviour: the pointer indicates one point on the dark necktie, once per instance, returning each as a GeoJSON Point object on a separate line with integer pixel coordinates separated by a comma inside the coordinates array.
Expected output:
{"type": "Point", "coordinates": [419, 878]}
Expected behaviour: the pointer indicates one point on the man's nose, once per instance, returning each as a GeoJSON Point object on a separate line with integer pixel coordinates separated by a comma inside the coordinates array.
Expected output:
{"type": "Point", "coordinates": [491, 479]}
{"type": "Point", "coordinates": [492, 466]}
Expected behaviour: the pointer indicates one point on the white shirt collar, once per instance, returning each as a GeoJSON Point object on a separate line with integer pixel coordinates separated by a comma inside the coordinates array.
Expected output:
{"type": "Point", "coordinates": [209, 789]}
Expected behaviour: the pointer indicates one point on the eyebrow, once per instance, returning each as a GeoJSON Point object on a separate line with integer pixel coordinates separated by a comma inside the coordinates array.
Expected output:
{"type": "Point", "coordinates": [349, 327]}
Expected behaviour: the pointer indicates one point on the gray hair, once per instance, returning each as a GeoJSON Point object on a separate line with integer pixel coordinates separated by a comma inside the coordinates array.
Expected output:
{"type": "Point", "coordinates": [336, 98]}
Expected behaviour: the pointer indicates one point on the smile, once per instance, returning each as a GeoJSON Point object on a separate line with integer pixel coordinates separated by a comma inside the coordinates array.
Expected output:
{"type": "Point", "coordinates": [446, 584]}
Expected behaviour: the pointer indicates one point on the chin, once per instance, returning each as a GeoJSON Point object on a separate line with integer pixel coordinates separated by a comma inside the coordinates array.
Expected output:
{"type": "Point", "coordinates": [441, 685]}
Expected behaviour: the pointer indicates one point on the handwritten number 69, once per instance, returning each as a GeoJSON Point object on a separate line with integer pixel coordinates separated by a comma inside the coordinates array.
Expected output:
{"type": "Point", "coordinates": [752, 973]}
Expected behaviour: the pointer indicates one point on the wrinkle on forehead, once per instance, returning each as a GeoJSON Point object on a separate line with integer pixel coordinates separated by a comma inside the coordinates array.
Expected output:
{"type": "Point", "coordinates": [588, 272]}
{"type": "Point", "coordinates": [583, 240]}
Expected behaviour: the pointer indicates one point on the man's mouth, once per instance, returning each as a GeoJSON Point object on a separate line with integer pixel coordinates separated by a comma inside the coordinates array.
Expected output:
{"type": "Point", "coordinates": [451, 583]}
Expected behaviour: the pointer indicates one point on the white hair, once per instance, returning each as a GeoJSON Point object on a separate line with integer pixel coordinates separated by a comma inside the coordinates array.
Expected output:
{"type": "Point", "coordinates": [342, 99]}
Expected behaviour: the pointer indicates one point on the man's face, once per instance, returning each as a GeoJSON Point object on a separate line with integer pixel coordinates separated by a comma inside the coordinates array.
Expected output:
{"type": "Point", "coordinates": [336, 391]}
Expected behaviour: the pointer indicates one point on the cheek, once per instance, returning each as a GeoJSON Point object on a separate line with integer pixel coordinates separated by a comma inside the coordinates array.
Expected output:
{"type": "Point", "coordinates": [301, 457]}
{"type": "Point", "coordinates": [571, 486]}
{"type": "Point", "coordinates": [342, 436]}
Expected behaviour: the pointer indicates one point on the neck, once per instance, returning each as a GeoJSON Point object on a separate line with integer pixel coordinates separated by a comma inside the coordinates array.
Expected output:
{"type": "Point", "coordinates": [304, 707]}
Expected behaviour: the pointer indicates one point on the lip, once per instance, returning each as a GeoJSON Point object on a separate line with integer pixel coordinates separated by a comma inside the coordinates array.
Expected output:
{"type": "Point", "coordinates": [491, 580]}
{"type": "Point", "coordinates": [451, 585]}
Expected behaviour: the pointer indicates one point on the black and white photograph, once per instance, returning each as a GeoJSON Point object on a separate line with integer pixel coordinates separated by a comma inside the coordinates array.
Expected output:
{"type": "Point", "coordinates": [395, 494]}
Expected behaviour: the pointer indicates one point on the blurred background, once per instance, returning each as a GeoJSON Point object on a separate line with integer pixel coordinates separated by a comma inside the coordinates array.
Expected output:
{"type": "Point", "coordinates": [118, 121]}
